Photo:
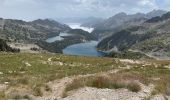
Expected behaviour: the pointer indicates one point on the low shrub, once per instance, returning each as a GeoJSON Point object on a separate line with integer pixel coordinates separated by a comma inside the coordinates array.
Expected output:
{"type": "Point", "coordinates": [37, 91]}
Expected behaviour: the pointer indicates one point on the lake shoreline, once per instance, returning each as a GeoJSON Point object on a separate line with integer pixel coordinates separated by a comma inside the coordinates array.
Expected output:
{"type": "Point", "coordinates": [66, 43]}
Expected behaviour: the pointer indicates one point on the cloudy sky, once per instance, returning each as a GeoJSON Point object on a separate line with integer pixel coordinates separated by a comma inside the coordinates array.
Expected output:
{"type": "Point", "coordinates": [33, 9]}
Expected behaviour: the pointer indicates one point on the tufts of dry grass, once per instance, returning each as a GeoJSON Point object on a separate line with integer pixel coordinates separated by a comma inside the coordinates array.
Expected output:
{"type": "Point", "coordinates": [102, 82]}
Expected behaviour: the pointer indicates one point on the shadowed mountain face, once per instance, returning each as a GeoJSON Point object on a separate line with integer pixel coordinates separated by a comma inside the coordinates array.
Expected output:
{"type": "Point", "coordinates": [121, 20]}
{"type": "Point", "coordinates": [83, 34]}
{"type": "Point", "coordinates": [21, 31]}
{"type": "Point", "coordinates": [151, 36]}
{"type": "Point", "coordinates": [159, 18]}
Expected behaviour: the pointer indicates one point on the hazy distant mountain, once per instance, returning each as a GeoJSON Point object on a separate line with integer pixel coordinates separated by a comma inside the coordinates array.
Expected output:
{"type": "Point", "coordinates": [115, 23]}
{"type": "Point", "coordinates": [118, 20]}
{"type": "Point", "coordinates": [155, 13]}
{"type": "Point", "coordinates": [150, 37]}
{"type": "Point", "coordinates": [70, 20]}
{"type": "Point", "coordinates": [92, 22]}
{"type": "Point", "coordinates": [80, 20]}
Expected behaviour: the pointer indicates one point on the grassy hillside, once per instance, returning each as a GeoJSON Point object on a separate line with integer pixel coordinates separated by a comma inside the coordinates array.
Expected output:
{"type": "Point", "coordinates": [27, 74]}
{"type": "Point", "coordinates": [32, 71]}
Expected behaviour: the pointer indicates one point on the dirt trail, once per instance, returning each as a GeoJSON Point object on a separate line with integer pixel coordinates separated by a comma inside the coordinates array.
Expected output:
{"type": "Point", "coordinates": [58, 86]}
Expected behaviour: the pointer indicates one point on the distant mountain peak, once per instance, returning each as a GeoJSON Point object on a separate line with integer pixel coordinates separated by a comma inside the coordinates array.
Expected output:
{"type": "Point", "coordinates": [139, 13]}
{"type": "Point", "coordinates": [157, 10]}
{"type": "Point", "coordinates": [120, 14]}
{"type": "Point", "coordinates": [43, 20]}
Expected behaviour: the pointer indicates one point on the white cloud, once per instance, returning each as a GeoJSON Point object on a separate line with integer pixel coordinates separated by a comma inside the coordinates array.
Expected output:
{"type": "Point", "coordinates": [32, 9]}
{"type": "Point", "coordinates": [145, 2]}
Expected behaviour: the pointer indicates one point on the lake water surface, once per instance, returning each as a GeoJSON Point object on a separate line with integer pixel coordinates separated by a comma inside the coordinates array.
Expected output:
{"type": "Point", "coordinates": [83, 49]}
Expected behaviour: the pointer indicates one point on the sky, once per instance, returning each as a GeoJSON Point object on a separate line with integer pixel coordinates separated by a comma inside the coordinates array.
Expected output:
{"type": "Point", "coordinates": [35, 9]}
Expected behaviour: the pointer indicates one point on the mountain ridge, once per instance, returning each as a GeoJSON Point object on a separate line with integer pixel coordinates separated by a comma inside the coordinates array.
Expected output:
{"type": "Point", "coordinates": [149, 38]}
{"type": "Point", "coordinates": [117, 21]}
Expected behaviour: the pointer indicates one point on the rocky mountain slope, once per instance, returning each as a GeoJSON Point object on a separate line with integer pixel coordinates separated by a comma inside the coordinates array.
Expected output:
{"type": "Point", "coordinates": [151, 36]}
{"type": "Point", "coordinates": [118, 21]}
{"type": "Point", "coordinates": [21, 31]}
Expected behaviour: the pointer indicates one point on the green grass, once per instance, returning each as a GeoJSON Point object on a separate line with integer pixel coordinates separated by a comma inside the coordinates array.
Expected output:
{"type": "Point", "coordinates": [12, 65]}
{"type": "Point", "coordinates": [2, 95]}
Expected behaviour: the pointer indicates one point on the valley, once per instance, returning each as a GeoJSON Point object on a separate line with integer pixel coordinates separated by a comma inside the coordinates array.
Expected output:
{"type": "Point", "coordinates": [123, 56]}
{"type": "Point", "coordinates": [87, 48]}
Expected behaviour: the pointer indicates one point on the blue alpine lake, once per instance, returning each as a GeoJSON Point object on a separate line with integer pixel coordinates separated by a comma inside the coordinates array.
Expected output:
{"type": "Point", "coordinates": [83, 49]}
